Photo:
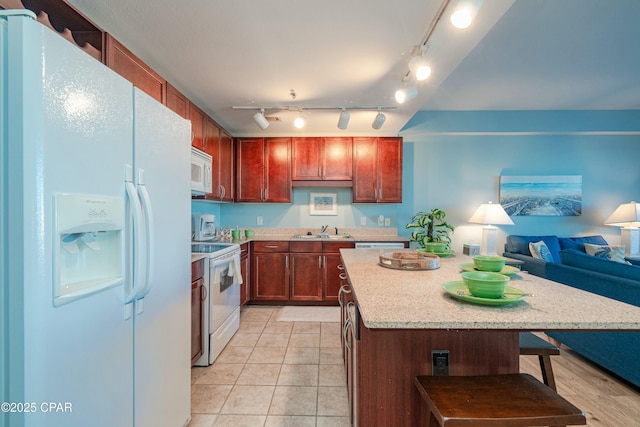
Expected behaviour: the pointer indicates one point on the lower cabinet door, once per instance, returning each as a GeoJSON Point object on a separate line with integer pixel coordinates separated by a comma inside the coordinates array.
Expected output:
{"type": "Point", "coordinates": [306, 277]}
{"type": "Point", "coordinates": [197, 300]}
{"type": "Point", "coordinates": [270, 276]}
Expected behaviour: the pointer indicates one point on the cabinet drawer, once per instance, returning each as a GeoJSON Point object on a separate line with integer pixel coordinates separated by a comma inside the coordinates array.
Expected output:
{"type": "Point", "coordinates": [271, 246]}
{"type": "Point", "coordinates": [197, 269]}
{"type": "Point", "coordinates": [334, 247]}
{"type": "Point", "coordinates": [306, 247]}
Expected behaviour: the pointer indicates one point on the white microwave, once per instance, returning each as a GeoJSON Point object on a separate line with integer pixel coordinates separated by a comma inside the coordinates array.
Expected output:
{"type": "Point", "coordinates": [200, 172]}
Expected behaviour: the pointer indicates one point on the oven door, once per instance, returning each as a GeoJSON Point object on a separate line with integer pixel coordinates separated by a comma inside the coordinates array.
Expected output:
{"type": "Point", "coordinates": [225, 279]}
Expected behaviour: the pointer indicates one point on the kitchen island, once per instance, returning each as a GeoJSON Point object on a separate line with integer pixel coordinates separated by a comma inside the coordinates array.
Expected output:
{"type": "Point", "coordinates": [402, 316]}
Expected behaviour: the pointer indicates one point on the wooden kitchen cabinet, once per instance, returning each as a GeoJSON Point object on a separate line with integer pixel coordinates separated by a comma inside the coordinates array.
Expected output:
{"type": "Point", "coordinates": [263, 170]}
{"type": "Point", "coordinates": [321, 159]}
{"type": "Point", "coordinates": [226, 170]}
{"type": "Point", "coordinates": [332, 262]}
{"type": "Point", "coordinates": [197, 308]}
{"type": "Point", "coordinates": [124, 62]}
{"type": "Point", "coordinates": [177, 102]}
{"type": "Point", "coordinates": [270, 271]}
{"type": "Point", "coordinates": [219, 145]}
{"type": "Point", "coordinates": [306, 271]}
{"type": "Point", "coordinates": [377, 170]}
{"type": "Point", "coordinates": [245, 294]}
{"type": "Point", "coordinates": [197, 126]}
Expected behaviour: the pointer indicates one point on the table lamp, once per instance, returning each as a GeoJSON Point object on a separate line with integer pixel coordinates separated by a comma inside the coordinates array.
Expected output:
{"type": "Point", "coordinates": [490, 214]}
{"type": "Point", "coordinates": [627, 216]}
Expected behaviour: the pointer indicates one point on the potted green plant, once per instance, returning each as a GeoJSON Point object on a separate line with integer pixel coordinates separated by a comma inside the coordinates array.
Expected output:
{"type": "Point", "coordinates": [431, 231]}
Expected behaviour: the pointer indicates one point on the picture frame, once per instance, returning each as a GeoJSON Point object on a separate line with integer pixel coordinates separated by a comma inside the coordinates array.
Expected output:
{"type": "Point", "coordinates": [323, 203]}
{"type": "Point", "coordinates": [546, 195]}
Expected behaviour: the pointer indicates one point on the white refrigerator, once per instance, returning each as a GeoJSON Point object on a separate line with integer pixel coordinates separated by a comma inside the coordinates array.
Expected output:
{"type": "Point", "coordinates": [95, 226]}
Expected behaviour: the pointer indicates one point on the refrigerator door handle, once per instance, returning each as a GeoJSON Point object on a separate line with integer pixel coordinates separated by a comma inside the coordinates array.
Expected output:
{"type": "Point", "coordinates": [136, 235]}
{"type": "Point", "coordinates": [148, 219]}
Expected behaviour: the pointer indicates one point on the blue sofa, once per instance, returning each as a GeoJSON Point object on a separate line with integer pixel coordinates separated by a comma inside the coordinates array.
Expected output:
{"type": "Point", "coordinates": [572, 266]}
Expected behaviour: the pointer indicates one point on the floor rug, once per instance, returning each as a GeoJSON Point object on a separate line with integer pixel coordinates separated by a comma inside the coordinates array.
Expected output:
{"type": "Point", "coordinates": [309, 314]}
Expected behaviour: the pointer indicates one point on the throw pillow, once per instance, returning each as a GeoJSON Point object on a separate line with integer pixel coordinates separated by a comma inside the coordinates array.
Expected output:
{"type": "Point", "coordinates": [610, 252]}
{"type": "Point", "coordinates": [540, 250]}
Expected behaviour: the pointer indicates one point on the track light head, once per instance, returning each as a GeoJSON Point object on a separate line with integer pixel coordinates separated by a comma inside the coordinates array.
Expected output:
{"type": "Point", "coordinates": [343, 121]}
{"type": "Point", "coordinates": [379, 120]}
{"type": "Point", "coordinates": [261, 120]}
{"type": "Point", "coordinates": [419, 67]}
{"type": "Point", "coordinates": [406, 93]}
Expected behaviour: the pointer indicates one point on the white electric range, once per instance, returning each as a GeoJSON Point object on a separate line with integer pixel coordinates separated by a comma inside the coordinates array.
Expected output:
{"type": "Point", "coordinates": [222, 301]}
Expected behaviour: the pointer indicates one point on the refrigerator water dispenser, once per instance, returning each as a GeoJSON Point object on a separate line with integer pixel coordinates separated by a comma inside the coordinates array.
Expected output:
{"type": "Point", "coordinates": [88, 246]}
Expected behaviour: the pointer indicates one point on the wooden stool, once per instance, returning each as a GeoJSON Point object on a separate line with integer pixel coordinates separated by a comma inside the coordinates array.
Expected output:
{"type": "Point", "coordinates": [510, 400]}
{"type": "Point", "coordinates": [531, 344]}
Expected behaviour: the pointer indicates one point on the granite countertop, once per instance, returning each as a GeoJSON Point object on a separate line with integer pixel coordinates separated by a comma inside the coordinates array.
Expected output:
{"type": "Point", "coordinates": [352, 235]}
{"type": "Point", "coordinates": [400, 299]}
{"type": "Point", "coordinates": [197, 257]}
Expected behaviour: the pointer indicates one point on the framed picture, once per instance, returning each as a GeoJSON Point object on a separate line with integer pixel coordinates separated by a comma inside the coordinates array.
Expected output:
{"type": "Point", "coordinates": [551, 195]}
{"type": "Point", "coordinates": [323, 204]}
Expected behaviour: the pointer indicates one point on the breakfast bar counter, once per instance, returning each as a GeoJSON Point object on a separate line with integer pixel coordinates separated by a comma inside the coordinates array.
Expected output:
{"type": "Point", "coordinates": [401, 317]}
{"type": "Point", "coordinates": [389, 298]}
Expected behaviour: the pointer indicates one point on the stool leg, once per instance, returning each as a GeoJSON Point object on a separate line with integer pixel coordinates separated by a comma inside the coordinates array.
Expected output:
{"type": "Point", "coordinates": [547, 371]}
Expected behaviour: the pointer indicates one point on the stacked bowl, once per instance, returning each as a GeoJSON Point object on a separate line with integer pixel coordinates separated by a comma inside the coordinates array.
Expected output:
{"type": "Point", "coordinates": [486, 282]}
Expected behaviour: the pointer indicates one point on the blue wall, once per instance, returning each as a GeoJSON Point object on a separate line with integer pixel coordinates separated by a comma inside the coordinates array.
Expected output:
{"type": "Point", "coordinates": [453, 161]}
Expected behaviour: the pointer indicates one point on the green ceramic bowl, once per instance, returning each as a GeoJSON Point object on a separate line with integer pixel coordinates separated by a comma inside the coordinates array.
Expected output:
{"type": "Point", "coordinates": [489, 262]}
{"type": "Point", "coordinates": [485, 284]}
{"type": "Point", "coordinates": [435, 247]}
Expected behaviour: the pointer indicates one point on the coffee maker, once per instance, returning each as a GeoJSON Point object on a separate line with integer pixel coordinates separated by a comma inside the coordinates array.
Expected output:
{"type": "Point", "coordinates": [204, 228]}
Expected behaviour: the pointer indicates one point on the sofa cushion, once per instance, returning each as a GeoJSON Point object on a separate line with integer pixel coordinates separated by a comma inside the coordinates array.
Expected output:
{"type": "Point", "coordinates": [582, 260]}
{"type": "Point", "coordinates": [539, 250]}
{"type": "Point", "coordinates": [612, 253]}
{"type": "Point", "coordinates": [520, 245]}
{"type": "Point", "coordinates": [578, 242]}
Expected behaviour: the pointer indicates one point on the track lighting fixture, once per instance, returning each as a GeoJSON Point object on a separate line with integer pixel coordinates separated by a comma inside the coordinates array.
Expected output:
{"type": "Point", "coordinates": [406, 93]}
{"type": "Point", "coordinates": [299, 122]}
{"type": "Point", "coordinates": [379, 120]}
{"type": "Point", "coordinates": [343, 121]}
{"type": "Point", "coordinates": [464, 13]}
{"type": "Point", "coordinates": [260, 119]}
{"type": "Point", "coordinates": [419, 66]}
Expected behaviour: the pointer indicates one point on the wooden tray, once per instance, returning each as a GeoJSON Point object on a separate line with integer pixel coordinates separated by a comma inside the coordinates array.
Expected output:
{"type": "Point", "coordinates": [409, 260]}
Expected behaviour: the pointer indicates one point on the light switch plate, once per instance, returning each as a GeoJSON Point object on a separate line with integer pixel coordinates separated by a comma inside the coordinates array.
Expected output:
{"type": "Point", "coordinates": [387, 222]}
{"type": "Point", "coordinates": [259, 220]}
{"type": "Point", "coordinates": [363, 220]}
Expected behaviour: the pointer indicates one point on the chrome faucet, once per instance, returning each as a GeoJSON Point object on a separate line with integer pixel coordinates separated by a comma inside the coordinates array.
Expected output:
{"type": "Point", "coordinates": [324, 228]}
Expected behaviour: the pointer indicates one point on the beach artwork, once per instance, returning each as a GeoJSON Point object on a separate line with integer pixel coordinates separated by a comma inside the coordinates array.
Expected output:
{"type": "Point", "coordinates": [554, 195]}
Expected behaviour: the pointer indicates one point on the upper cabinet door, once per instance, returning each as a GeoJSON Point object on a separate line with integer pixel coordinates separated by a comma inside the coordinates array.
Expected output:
{"type": "Point", "coordinates": [226, 167]}
{"type": "Point", "coordinates": [306, 156]}
{"type": "Point", "coordinates": [177, 102]}
{"type": "Point", "coordinates": [277, 170]}
{"type": "Point", "coordinates": [377, 170]}
{"type": "Point", "coordinates": [249, 169]}
{"type": "Point", "coordinates": [365, 169]}
{"type": "Point", "coordinates": [124, 62]}
{"type": "Point", "coordinates": [197, 127]}
{"type": "Point", "coordinates": [337, 163]}
{"type": "Point", "coordinates": [321, 159]}
{"type": "Point", "coordinates": [389, 170]}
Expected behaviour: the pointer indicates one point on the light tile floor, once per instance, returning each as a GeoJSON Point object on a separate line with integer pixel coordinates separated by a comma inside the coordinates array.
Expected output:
{"type": "Point", "coordinates": [273, 374]}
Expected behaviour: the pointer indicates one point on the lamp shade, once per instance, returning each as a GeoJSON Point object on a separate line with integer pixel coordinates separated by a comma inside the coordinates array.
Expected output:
{"type": "Point", "coordinates": [626, 215]}
{"type": "Point", "coordinates": [490, 213]}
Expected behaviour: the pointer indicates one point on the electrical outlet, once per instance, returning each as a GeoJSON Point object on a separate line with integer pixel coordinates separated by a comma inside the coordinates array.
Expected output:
{"type": "Point", "coordinates": [440, 362]}
{"type": "Point", "coordinates": [363, 220]}
{"type": "Point", "coordinates": [387, 222]}
{"type": "Point", "coordinates": [259, 220]}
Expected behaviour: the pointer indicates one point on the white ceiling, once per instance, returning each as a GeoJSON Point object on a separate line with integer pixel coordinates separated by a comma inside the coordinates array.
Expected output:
{"type": "Point", "coordinates": [518, 54]}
